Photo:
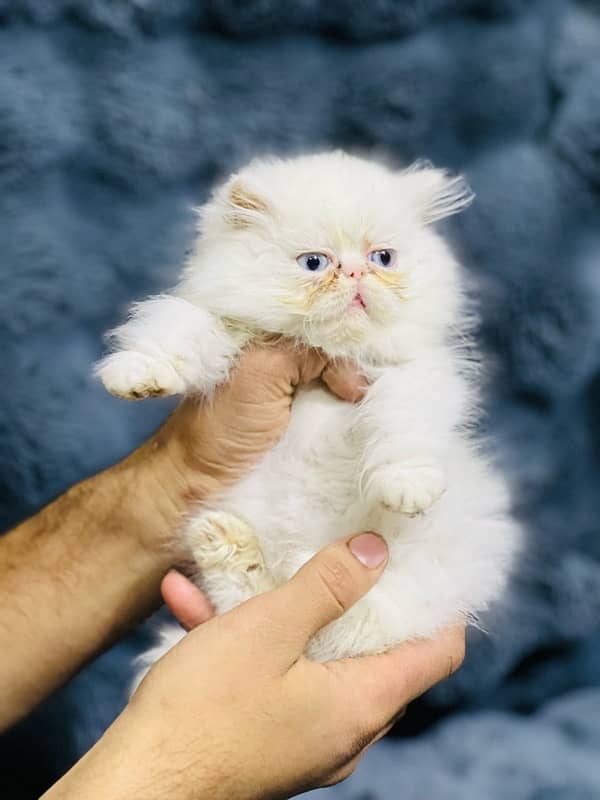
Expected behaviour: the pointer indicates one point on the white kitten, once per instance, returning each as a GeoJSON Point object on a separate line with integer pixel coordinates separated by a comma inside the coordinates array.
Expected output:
{"type": "Point", "coordinates": [339, 253]}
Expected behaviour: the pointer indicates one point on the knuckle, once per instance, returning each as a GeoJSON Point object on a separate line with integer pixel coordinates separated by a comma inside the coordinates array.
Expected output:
{"type": "Point", "coordinates": [262, 360]}
{"type": "Point", "coordinates": [337, 581]}
{"type": "Point", "coordinates": [345, 757]}
{"type": "Point", "coordinates": [341, 774]}
{"type": "Point", "coordinates": [362, 728]}
{"type": "Point", "coordinates": [362, 738]}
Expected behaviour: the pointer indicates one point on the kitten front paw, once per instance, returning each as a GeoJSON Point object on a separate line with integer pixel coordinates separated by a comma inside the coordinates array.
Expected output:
{"type": "Point", "coordinates": [134, 376]}
{"type": "Point", "coordinates": [409, 487]}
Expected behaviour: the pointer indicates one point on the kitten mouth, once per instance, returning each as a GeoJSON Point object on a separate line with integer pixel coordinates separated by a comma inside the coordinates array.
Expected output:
{"type": "Point", "coordinates": [358, 302]}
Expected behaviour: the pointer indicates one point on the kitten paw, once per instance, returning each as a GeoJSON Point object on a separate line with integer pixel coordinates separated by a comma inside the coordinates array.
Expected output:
{"type": "Point", "coordinates": [409, 487]}
{"type": "Point", "coordinates": [224, 543]}
{"type": "Point", "coordinates": [134, 376]}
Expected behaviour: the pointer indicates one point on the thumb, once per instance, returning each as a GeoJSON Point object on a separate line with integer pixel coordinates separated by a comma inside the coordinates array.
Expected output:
{"type": "Point", "coordinates": [185, 600]}
{"type": "Point", "coordinates": [330, 583]}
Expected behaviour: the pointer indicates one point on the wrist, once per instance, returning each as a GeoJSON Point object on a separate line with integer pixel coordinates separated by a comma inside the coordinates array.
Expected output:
{"type": "Point", "coordinates": [163, 487]}
{"type": "Point", "coordinates": [99, 774]}
{"type": "Point", "coordinates": [127, 761]}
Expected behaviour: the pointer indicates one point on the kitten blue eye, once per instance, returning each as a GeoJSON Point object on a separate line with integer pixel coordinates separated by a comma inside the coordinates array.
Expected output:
{"type": "Point", "coordinates": [314, 262]}
{"type": "Point", "coordinates": [383, 258]}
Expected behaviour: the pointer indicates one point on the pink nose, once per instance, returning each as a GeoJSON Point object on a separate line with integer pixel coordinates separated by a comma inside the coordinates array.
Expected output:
{"type": "Point", "coordinates": [354, 269]}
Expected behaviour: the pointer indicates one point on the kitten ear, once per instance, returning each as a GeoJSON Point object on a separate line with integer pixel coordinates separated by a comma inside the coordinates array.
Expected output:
{"type": "Point", "coordinates": [244, 205]}
{"type": "Point", "coordinates": [436, 193]}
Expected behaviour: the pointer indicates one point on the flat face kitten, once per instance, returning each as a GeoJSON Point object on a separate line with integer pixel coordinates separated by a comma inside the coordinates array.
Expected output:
{"type": "Point", "coordinates": [338, 253]}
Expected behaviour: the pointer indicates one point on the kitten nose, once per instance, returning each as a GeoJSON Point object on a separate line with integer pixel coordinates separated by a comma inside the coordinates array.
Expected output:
{"type": "Point", "coordinates": [353, 268]}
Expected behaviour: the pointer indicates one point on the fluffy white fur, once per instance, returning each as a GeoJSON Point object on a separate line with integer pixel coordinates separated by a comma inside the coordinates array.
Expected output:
{"type": "Point", "coordinates": [402, 462]}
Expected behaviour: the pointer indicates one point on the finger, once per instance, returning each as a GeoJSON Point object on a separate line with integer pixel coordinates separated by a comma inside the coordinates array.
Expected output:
{"type": "Point", "coordinates": [385, 684]}
{"type": "Point", "coordinates": [343, 378]}
{"type": "Point", "coordinates": [327, 585]}
{"type": "Point", "coordinates": [276, 366]}
{"type": "Point", "coordinates": [185, 600]}
{"type": "Point", "coordinates": [310, 362]}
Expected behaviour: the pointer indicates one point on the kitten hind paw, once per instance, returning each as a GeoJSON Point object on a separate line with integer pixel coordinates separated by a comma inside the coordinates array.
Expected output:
{"type": "Point", "coordinates": [221, 543]}
{"type": "Point", "coordinates": [409, 487]}
{"type": "Point", "coordinates": [134, 376]}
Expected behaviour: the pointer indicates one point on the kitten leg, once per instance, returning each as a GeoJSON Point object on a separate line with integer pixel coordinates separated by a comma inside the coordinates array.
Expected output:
{"type": "Point", "coordinates": [230, 559]}
{"type": "Point", "coordinates": [408, 421]}
{"type": "Point", "coordinates": [168, 346]}
{"type": "Point", "coordinates": [409, 487]}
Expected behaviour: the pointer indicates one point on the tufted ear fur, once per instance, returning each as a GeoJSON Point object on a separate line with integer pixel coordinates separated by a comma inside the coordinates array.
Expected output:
{"type": "Point", "coordinates": [437, 194]}
{"type": "Point", "coordinates": [244, 205]}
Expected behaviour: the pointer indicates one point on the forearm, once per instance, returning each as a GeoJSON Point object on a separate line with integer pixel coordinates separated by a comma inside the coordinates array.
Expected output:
{"type": "Point", "coordinates": [78, 574]}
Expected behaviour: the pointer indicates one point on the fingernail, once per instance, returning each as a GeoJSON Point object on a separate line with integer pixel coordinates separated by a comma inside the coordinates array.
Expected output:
{"type": "Point", "coordinates": [370, 549]}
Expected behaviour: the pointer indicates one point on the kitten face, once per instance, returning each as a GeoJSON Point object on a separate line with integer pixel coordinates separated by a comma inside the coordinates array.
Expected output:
{"type": "Point", "coordinates": [331, 249]}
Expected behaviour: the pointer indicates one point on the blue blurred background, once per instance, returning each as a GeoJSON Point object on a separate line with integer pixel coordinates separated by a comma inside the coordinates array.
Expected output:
{"type": "Point", "coordinates": [115, 118]}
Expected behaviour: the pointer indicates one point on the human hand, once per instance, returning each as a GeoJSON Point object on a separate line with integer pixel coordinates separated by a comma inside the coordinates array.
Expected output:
{"type": "Point", "coordinates": [236, 711]}
{"type": "Point", "coordinates": [122, 521]}
{"type": "Point", "coordinates": [206, 445]}
{"type": "Point", "coordinates": [221, 438]}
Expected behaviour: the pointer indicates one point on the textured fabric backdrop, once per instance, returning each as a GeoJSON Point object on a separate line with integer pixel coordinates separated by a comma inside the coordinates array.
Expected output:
{"type": "Point", "coordinates": [116, 116]}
